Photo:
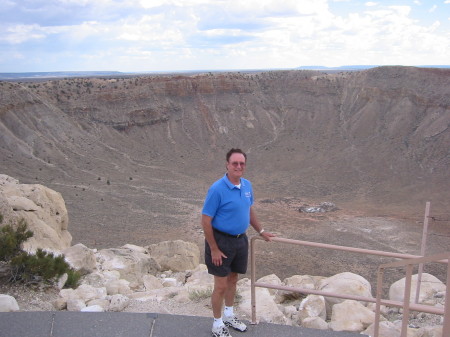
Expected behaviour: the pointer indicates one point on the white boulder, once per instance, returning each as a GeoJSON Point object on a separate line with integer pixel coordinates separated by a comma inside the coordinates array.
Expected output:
{"type": "Point", "coordinates": [312, 306]}
{"type": "Point", "coordinates": [296, 281]}
{"type": "Point", "coordinates": [80, 258]}
{"type": "Point", "coordinates": [120, 286]}
{"type": "Point", "coordinates": [169, 282]}
{"type": "Point", "coordinates": [22, 204]}
{"type": "Point", "coordinates": [131, 264]}
{"type": "Point", "coordinates": [430, 288]}
{"type": "Point", "coordinates": [271, 279]}
{"type": "Point", "coordinates": [175, 255]}
{"type": "Point", "coordinates": [267, 310]}
{"type": "Point", "coordinates": [200, 276]}
{"type": "Point", "coordinates": [101, 278]}
{"type": "Point", "coordinates": [42, 208]}
{"type": "Point", "coordinates": [386, 329]}
{"type": "Point", "coordinates": [345, 283]}
{"type": "Point", "coordinates": [8, 303]}
{"type": "Point", "coordinates": [118, 302]}
{"type": "Point", "coordinates": [351, 316]}
{"type": "Point", "coordinates": [93, 308]}
{"type": "Point", "coordinates": [76, 304]}
{"type": "Point", "coordinates": [69, 294]}
{"type": "Point", "coordinates": [433, 331]}
{"type": "Point", "coordinates": [151, 282]}
{"type": "Point", "coordinates": [104, 303]}
{"type": "Point", "coordinates": [315, 323]}
{"type": "Point", "coordinates": [87, 292]}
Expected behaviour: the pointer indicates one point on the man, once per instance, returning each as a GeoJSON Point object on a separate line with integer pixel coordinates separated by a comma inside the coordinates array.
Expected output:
{"type": "Point", "coordinates": [226, 215]}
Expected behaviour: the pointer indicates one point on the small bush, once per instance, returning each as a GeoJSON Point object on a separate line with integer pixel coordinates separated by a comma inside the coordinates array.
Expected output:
{"type": "Point", "coordinates": [28, 268]}
{"type": "Point", "coordinates": [202, 294]}
{"type": "Point", "coordinates": [42, 266]}
{"type": "Point", "coordinates": [73, 279]}
{"type": "Point", "coordinates": [172, 294]}
{"type": "Point", "coordinates": [11, 240]}
{"type": "Point", "coordinates": [198, 295]}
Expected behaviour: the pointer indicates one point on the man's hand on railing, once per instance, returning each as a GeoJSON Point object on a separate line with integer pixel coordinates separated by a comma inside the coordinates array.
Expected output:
{"type": "Point", "coordinates": [267, 235]}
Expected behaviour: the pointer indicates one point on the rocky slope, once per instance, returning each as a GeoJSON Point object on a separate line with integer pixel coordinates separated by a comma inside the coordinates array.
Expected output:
{"type": "Point", "coordinates": [133, 156]}
{"type": "Point", "coordinates": [168, 277]}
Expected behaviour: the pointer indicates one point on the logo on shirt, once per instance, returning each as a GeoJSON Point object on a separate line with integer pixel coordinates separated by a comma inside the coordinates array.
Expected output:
{"type": "Point", "coordinates": [248, 194]}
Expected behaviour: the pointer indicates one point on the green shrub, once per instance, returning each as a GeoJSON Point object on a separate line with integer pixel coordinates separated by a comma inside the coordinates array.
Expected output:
{"type": "Point", "coordinates": [42, 266]}
{"type": "Point", "coordinates": [10, 240]}
{"type": "Point", "coordinates": [28, 268]}
{"type": "Point", "coordinates": [73, 279]}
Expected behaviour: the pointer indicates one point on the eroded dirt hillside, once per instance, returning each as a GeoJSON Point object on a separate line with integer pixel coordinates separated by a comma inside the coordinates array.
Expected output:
{"type": "Point", "coordinates": [134, 156]}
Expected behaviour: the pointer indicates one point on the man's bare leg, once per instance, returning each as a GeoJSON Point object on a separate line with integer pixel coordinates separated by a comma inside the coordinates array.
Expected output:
{"type": "Point", "coordinates": [230, 292]}
{"type": "Point", "coordinates": [230, 318]}
{"type": "Point", "coordinates": [218, 295]}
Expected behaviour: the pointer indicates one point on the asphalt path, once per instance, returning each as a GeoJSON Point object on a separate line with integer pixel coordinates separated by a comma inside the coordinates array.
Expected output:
{"type": "Point", "coordinates": [118, 324]}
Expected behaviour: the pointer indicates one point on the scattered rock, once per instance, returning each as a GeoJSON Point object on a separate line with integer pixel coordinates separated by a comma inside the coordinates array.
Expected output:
{"type": "Point", "coordinates": [131, 264]}
{"type": "Point", "coordinates": [322, 208]}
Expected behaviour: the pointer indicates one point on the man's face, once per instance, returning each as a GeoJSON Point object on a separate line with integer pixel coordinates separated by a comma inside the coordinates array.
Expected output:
{"type": "Point", "coordinates": [236, 166]}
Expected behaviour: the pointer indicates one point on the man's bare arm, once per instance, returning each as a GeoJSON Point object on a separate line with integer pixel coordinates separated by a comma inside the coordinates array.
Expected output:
{"type": "Point", "coordinates": [258, 227]}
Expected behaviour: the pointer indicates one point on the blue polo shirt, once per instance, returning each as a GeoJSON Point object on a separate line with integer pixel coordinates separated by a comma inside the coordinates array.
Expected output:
{"type": "Point", "coordinates": [229, 206]}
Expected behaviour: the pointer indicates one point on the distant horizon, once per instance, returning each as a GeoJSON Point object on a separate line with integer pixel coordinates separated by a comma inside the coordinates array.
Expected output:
{"type": "Point", "coordinates": [88, 73]}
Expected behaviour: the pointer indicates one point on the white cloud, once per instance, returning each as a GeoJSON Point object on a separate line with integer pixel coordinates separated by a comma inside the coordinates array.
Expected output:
{"type": "Point", "coordinates": [150, 29]}
{"type": "Point", "coordinates": [21, 33]}
{"type": "Point", "coordinates": [268, 7]}
{"type": "Point", "coordinates": [181, 3]}
{"type": "Point", "coordinates": [133, 35]}
{"type": "Point", "coordinates": [432, 9]}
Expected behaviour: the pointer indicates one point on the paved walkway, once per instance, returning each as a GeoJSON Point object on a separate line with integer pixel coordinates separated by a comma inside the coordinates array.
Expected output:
{"type": "Point", "coordinates": [117, 324]}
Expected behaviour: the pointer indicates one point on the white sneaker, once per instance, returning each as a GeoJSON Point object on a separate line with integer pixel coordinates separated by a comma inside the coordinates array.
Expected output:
{"type": "Point", "coordinates": [234, 323]}
{"type": "Point", "coordinates": [221, 331]}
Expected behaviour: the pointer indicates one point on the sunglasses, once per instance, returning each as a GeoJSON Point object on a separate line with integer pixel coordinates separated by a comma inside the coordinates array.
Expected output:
{"type": "Point", "coordinates": [237, 163]}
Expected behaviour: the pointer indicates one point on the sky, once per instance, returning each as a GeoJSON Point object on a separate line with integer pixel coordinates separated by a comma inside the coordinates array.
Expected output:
{"type": "Point", "coordinates": [182, 35]}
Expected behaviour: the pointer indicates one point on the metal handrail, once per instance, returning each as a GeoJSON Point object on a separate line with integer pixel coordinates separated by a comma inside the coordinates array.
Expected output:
{"type": "Point", "coordinates": [443, 258]}
{"type": "Point", "coordinates": [409, 263]}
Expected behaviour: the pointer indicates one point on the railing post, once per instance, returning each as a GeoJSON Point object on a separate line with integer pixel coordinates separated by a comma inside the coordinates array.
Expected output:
{"type": "Point", "coordinates": [446, 323]}
{"type": "Point", "coordinates": [253, 279]}
{"type": "Point", "coordinates": [406, 299]}
{"type": "Point", "coordinates": [376, 327]}
{"type": "Point", "coordinates": [423, 249]}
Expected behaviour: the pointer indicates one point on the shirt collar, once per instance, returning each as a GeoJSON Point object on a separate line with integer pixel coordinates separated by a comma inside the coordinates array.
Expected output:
{"type": "Point", "coordinates": [230, 184]}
